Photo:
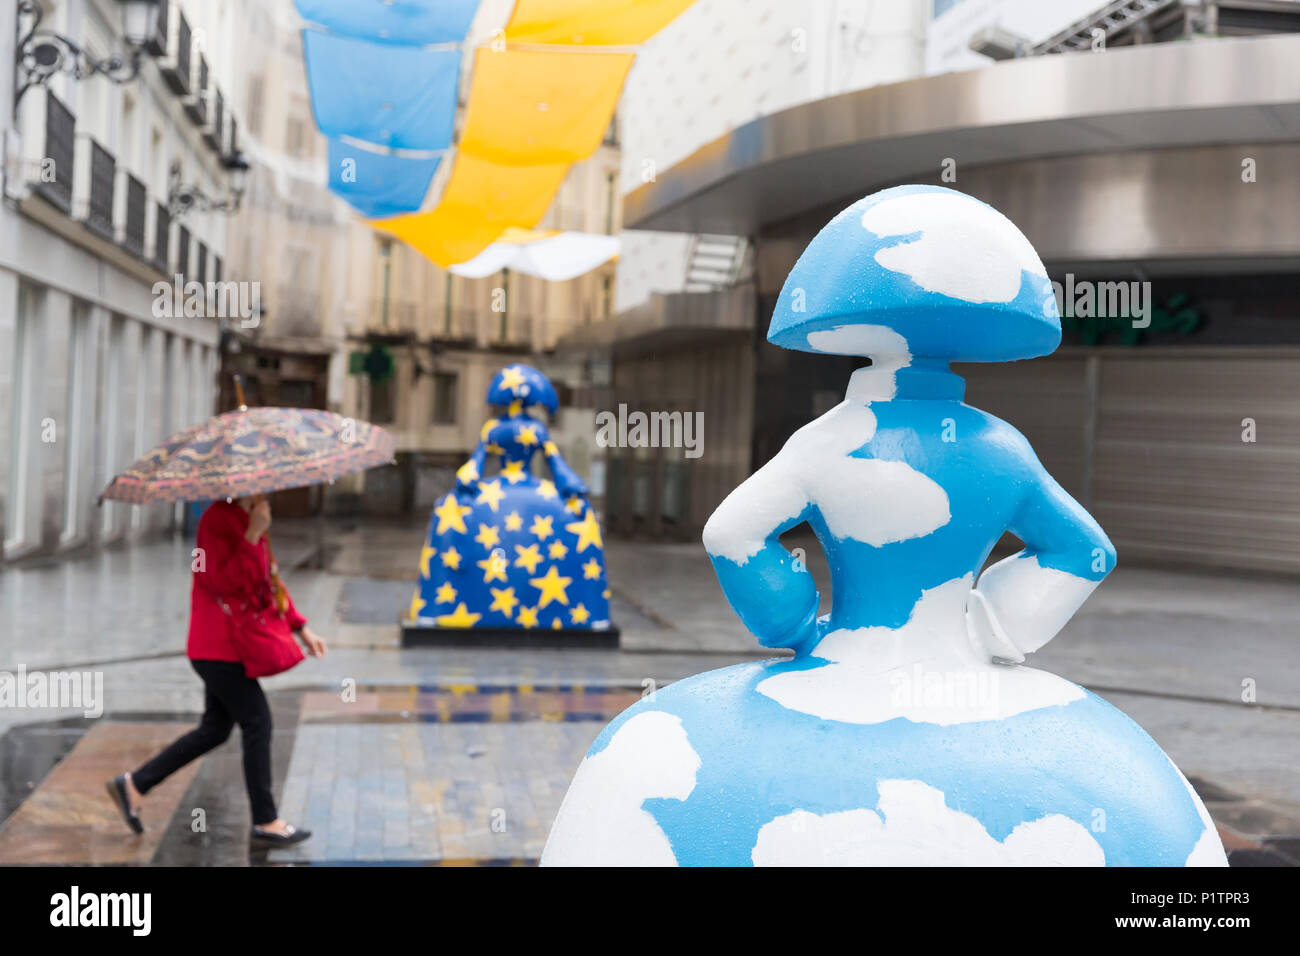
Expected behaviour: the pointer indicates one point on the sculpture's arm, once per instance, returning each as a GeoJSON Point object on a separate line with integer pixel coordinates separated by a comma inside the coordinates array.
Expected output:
{"type": "Point", "coordinates": [1022, 602]}
{"type": "Point", "coordinates": [568, 481]}
{"type": "Point", "coordinates": [771, 592]}
{"type": "Point", "coordinates": [468, 474]}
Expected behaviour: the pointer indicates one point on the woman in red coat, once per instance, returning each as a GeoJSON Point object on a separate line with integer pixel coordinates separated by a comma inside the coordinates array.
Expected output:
{"type": "Point", "coordinates": [232, 581]}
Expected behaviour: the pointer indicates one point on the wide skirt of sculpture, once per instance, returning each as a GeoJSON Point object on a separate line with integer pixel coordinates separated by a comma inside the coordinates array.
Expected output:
{"type": "Point", "coordinates": [905, 730]}
{"type": "Point", "coordinates": [511, 551]}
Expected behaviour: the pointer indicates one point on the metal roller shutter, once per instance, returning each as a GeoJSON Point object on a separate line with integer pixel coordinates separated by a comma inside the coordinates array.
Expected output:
{"type": "Point", "coordinates": [1047, 400]}
{"type": "Point", "coordinates": [1173, 479]}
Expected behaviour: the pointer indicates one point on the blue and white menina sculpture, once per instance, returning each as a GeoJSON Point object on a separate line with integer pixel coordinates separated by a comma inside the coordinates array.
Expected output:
{"type": "Point", "coordinates": [905, 730]}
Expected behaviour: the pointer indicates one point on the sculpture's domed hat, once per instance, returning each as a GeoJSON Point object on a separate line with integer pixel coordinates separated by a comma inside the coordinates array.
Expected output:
{"type": "Point", "coordinates": [948, 274]}
{"type": "Point", "coordinates": [522, 383]}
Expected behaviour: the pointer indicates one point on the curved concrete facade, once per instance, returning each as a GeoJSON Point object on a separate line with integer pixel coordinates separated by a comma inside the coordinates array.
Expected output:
{"type": "Point", "coordinates": [1150, 139]}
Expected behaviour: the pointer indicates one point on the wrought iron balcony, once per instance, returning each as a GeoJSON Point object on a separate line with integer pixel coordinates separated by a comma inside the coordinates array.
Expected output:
{"type": "Point", "coordinates": [136, 213]}
{"type": "Point", "coordinates": [162, 237]}
{"type": "Point", "coordinates": [60, 150]}
{"type": "Point", "coordinates": [103, 178]}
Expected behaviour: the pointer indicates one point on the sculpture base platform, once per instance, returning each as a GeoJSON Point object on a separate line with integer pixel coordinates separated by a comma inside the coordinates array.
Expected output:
{"type": "Point", "coordinates": [424, 635]}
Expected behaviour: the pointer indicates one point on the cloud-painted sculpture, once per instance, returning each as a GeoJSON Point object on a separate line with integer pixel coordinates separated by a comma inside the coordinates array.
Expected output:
{"type": "Point", "coordinates": [905, 730]}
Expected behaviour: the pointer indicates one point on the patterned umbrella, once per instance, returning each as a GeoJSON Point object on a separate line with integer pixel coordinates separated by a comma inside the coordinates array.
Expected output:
{"type": "Point", "coordinates": [252, 451]}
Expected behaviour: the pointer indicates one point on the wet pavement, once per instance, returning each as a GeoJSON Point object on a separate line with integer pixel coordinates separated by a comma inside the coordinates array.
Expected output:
{"type": "Point", "coordinates": [457, 755]}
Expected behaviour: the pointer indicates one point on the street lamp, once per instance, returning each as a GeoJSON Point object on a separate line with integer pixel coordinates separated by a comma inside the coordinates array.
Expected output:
{"type": "Point", "coordinates": [43, 53]}
{"type": "Point", "coordinates": [183, 198]}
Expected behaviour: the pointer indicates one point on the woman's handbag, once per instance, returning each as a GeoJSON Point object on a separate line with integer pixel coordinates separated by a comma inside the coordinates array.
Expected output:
{"type": "Point", "coordinates": [263, 641]}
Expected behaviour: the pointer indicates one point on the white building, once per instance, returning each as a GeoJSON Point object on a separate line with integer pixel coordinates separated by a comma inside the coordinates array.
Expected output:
{"type": "Point", "coordinates": [723, 63]}
{"type": "Point", "coordinates": [93, 369]}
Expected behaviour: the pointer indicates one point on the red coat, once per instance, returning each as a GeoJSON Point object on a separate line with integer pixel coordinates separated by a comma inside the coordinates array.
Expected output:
{"type": "Point", "coordinates": [229, 570]}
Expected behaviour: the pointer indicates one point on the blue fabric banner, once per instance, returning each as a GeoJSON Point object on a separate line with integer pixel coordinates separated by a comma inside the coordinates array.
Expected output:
{"type": "Point", "coordinates": [397, 96]}
{"type": "Point", "coordinates": [414, 22]}
{"type": "Point", "coordinates": [379, 184]}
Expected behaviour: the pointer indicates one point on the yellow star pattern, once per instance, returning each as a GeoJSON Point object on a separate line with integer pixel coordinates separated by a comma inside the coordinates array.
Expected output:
{"type": "Point", "coordinates": [494, 568]}
{"type": "Point", "coordinates": [587, 530]}
{"type": "Point", "coordinates": [513, 521]}
{"type": "Point", "coordinates": [547, 489]}
{"type": "Point", "coordinates": [591, 570]}
{"type": "Point", "coordinates": [495, 449]}
{"type": "Point", "coordinates": [528, 557]}
{"type": "Point", "coordinates": [425, 554]}
{"type": "Point", "coordinates": [488, 425]}
{"type": "Point", "coordinates": [528, 436]}
{"type": "Point", "coordinates": [488, 536]}
{"type": "Point", "coordinates": [557, 624]}
{"type": "Point", "coordinates": [467, 472]}
{"type": "Point", "coordinates": [557, 550]}
{"type": "Point", "coordinates": [451, 559]}
{"type": "Point", "coordinates": [513, 472]}
{"type": "Point", "coordinates": [573, 505]}
{"type": "Point", "coordinates": [527, 617]}
{"type": "Point", "coordinates": [512, 377]}
{"type": "Point", "coordinates": [550, 448]}
{"type": "Point", "coordinates": [541, 527]}
{"type": "Point", "coordinates": [446, 594]}
{"type": "Point", "coordinates": [490, 494]}
{"type": "Point", "coordinates": [578, 615]}
{"type": "Point", "coordinates": [459, 618]}
{"type": "Point", "coordinates": [516, 408]}
{"type": "Point", "coordinates": [503, 600]}
{"type": "Point", "coordinates": [451, 515]}
{"type": "Point", "coordinates": [417, 605]}
{"type": "Point", "coordinates": [552, 585]}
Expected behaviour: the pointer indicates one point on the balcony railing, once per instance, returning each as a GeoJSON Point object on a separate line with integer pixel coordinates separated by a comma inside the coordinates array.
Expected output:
{"type": "Point", "coordinates": [176, 71]}
{"type": "Point", "coordinates": [196, 107]}
{"type": "Point", "coordinates": [136, 206]}
{"type": "Point", "coordinates": [60, 148]}
{"type": "Point", "coordinates": [214, 132]}
{"type": "Point", "coordinates": [162, 238]}
{"type": "Point", "coordinates": [393, 315]}
{"type": "Point", "coordinates": [157, 43]}
{"type": "Point", "coordinates": [509, 329]}
{"type": "Point", "coordinates": [103, 176]}
{"type": "Point", "coordinates": [457, 324]}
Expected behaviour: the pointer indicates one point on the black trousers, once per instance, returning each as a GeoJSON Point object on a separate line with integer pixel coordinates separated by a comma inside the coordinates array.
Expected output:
{"type": "Point", "coordinates": [230, 698]}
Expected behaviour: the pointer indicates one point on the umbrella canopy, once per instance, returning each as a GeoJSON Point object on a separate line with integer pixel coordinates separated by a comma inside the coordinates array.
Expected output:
{"type": "Point", "coordinates": [252, 451]}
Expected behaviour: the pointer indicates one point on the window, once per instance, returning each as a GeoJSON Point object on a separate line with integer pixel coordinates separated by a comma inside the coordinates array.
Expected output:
{"type": "Point", "coordinates": [183, 253]}
{"type": "Point", "coordinates": [444, 397]}
{"type": "Point", "coordinates": [60, 145]}
{"type": "Point", "coordinates": [295, 138]}
{"type": "Point", "coordinates": [253, 115]}
{"type": "Point", "coordinates": [381, 402]}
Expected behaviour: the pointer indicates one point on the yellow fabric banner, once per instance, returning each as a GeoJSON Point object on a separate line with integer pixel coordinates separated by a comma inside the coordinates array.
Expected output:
{"type": "Point", "coordinates": [528, 107]}
{"type": "Point", "coordinates": [590, 22]}
{"type": "Point", "coordinates": [482, 199]}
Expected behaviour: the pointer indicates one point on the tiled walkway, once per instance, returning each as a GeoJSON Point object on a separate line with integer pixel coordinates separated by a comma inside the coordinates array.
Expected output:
{"type": "Point", "coordinates": [438, 775]}
{"type": "Point", "coordinates": [70, 817]}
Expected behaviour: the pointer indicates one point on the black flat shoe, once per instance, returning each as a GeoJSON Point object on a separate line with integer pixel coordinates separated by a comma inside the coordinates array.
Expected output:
{"type": "Point", "coordinates": [291, 836]}
{"type": "Point", "coordinates": [117, 793]}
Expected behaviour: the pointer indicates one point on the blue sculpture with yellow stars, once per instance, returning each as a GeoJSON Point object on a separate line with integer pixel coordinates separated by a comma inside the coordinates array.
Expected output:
{"type": "Point", "coordinates": [509, 556]}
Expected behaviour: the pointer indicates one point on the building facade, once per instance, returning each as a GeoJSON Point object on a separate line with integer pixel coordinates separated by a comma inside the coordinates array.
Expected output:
{"type": "Point", "coordinates": [360, 323]}
{"type": "Point", "coordinates": [97, 362]}
{"type": "Point", "coordinates": [1150, 148]}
